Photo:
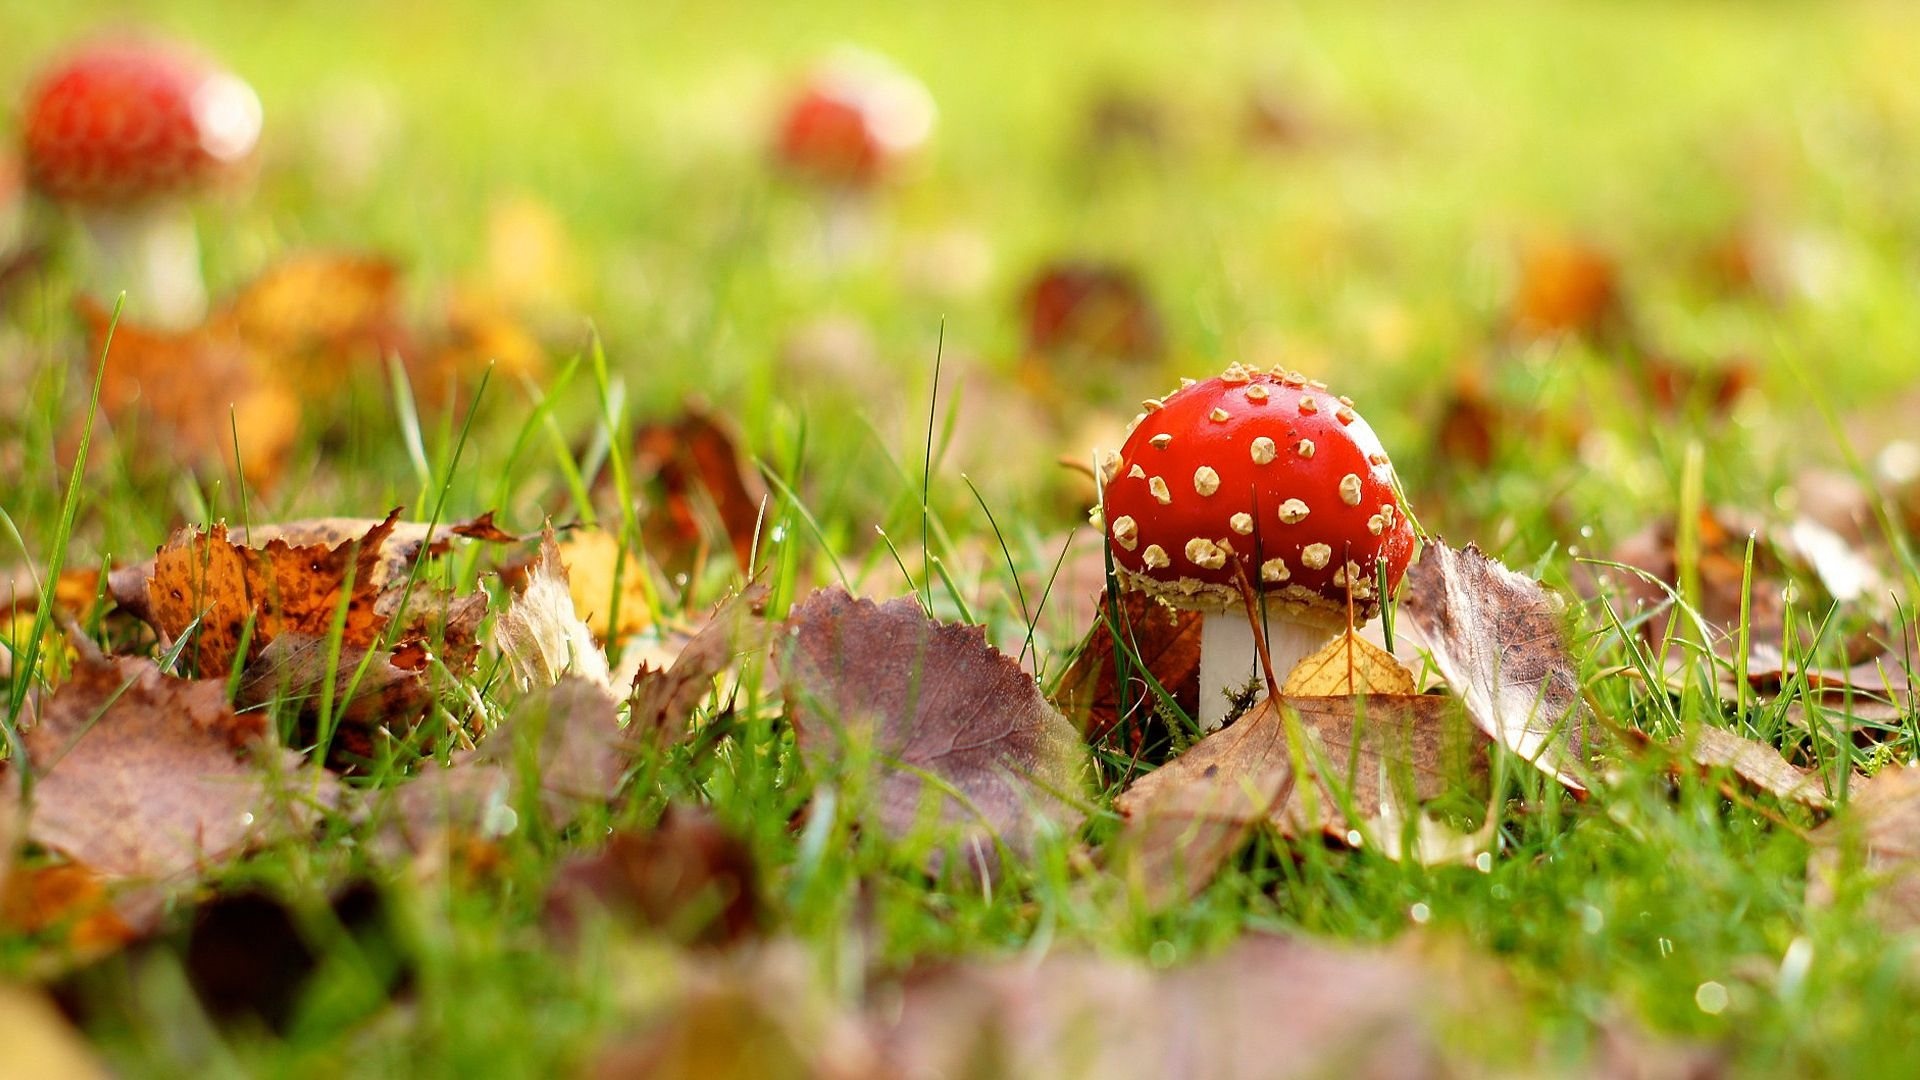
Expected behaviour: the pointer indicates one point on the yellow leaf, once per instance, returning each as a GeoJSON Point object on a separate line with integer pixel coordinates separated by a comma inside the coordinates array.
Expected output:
{"type": "Point", "coordinates": [1349, 664]}
{"type": "Point", "coordinates": [590, 556]}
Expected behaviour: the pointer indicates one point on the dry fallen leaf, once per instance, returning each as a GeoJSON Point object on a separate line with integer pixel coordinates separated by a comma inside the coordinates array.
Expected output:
{"type": "Point", "coordinates": [541, 636]}
{"type": "Point", "coordinates": [1349, 664]}
{"type": "Point", "coordinates": [1267, 1006]}
{"type": "Point", "coordinates": [559, 752]}
{"type": "Point", "coordinates": [1495, 636]}
{"type": "Point", "coordinates": [1380, 756]}
{"type": "Point", "coordinates": [70, 903]}
{"type": "Point", "coordinates": [696, 466]}
{"type": "Point", "coordinates": [1757, 764]}
{"type": "Point", "coordinates": [955, 724]}
{"type": "Point", "coordinates": [1566, 286]}
{"type": "Point", "coordinates": [193, 397]}
{"type": "Point", "coordinates": [1167, 642]}
{"type": "Point", "coordinates": [138, 774]}
{"type": "Point", "coordinates": [320, 317]}
{"type": "Point", "coordinates": [664, 700]}
{"type": "Point", "coordinates": [688, 878]}
{"type": "Point", "coordinates": [607, 583]}
{"type": "Point", "coordinates": [1877, 835]}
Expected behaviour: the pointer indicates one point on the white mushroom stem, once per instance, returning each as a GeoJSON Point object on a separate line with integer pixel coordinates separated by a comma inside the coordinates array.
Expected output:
{"type": "Point", "coordinates": [1229, 661]}
{"type": "Point", "coordinates": [151, 251]}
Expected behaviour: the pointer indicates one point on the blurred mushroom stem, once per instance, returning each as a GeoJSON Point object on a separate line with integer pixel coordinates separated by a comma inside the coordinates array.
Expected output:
{"type": "Point", "coordinates": [847, 228]}
{"type": "Point", "coordinates": [152, 252]}
{"type": "Point", "coordinates": [1230, 662]}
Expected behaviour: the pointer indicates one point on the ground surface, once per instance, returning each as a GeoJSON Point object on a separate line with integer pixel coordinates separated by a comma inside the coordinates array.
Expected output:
{"type": "Point", "coordinates": [1612, 281]}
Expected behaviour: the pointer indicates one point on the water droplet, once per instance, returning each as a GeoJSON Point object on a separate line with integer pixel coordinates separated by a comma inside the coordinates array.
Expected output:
{"type": "Point", "coordinates": [1483, 862]}
{"type": "Point", "coordinates": [1592, 919]}
{"type": "Point", "coordinates": [1354, 839]}
{"type": "Point", "coordinates": [1162, 954]}
{"type": "Point", "coordinates": [1420, 913]}
{"type": "Point", "coordinates": [1711, 997]}
{"type": "Point", "coordinates": [1586, 532]}
{"type": "Point", "coordinates": [1666, 946]}
{"type": "Point", "coordinates": [246, 818]}
{"type": "Point", "coordinates": [1794, 967]}
{"type": "Point", "coordinates": [778, 534]}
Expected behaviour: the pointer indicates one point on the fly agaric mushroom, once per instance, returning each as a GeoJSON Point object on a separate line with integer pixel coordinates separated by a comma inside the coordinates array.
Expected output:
{"type": "Point", "coordinates": [121, 133]}
{"type": "Point", "coordinates": [849, 127]}
{"type": "Point", "coordinates": [1266, 474]}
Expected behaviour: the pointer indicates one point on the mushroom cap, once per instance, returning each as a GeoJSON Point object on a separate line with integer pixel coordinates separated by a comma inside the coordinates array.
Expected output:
{"type": "Point", "coordinates": [1267, 470]}
{"type": "Point", "coordinates": [854, 117]}
{"type": "Point", "coordinates": [121, 122]}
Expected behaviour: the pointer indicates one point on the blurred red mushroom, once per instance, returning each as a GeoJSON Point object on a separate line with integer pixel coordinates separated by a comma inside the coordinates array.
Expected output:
{"type": "Point", "coordinates": [845, 132]}
{"type": "Point", "coordinates": [121, 134]}
{"type": "Point", "coordinates": [1263, 478]}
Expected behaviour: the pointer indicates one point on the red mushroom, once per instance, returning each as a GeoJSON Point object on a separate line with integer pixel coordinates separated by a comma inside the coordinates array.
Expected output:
{"type": "Point", "coordinates": [121, 133]}
{"type": "Point", "coordinates": [1266, 473]}
{"type": "Point", "coordinates": [857, 117]}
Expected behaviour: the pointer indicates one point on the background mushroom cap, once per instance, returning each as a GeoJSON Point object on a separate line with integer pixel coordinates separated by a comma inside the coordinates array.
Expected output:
{"type": "Point", "coordinates": [1265, 469]}
{"type": "Point", "coordinates": [121, 122]}
{"type": "Point", "coordinates": [855, 115]}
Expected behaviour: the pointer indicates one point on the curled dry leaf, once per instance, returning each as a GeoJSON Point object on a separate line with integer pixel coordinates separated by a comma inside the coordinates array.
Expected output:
{"type": "Point", "coordinates": [955, 723]}
{"type": "Point", "coordinates": [1757, 764]}
{"type": "Point", "coordinates": [1347, 665]}
{"type": "Point", "coordinates": [1495, 636]}
{"type": "Point", "coordinates": [540, 634]}
{"type": "Point", "coordinates": [560, 751]}
{"type": "Point", "coordinates": [1268, 1006]}
{"type": "Point", "coordinates": [1371, 761]}
{"type": "Point", "coordinates": [688, 878]}
{"type": "Point", "coordinates": [1877, 835]}
{"type": "Point", "coordinates": [1163, 639]}
{"type": "Point", "coordinates": [664, 700]}
{"type": "Point", "coordinates": [138, 774]}
{"type": "Point", "coordinates": [701, 477]}
{"type": "Point", "coordinates": [761, 1010]}
{"type": "Point", "coordinates": [318, 317]}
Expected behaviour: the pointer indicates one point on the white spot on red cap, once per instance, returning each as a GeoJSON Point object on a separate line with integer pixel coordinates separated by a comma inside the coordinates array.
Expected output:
{"type": "Point", "coordinates": [1205, 553]}
{"type": "Point", "coordinates": [1126, 532]}
{"type": "Point", "coordinates": [1293, 511]}
{"type": "Point", "coordinates": [1242, 523]}
{"type": "Point", "coordinates": [1263, 450]}
{"type": "Point", "coordinates": [1316, 556]}
{"type": "Point", "coordinates": [1155, 557]}
{"type": "Point", "coordinates": [1274, 569]}
{"type": "Point", "coordinates": [1158, 487]}
{"type": "Point", "coordinates": [1218, 415]}
{"type": "Point", "coordinates": [1160, 441]}
{"type": "Point", "coordinates": [1205, 480]}
{"type": "Point", "coordinates": [1350, 489]}
{"type": "Point", "coordinates": [1305, 449]}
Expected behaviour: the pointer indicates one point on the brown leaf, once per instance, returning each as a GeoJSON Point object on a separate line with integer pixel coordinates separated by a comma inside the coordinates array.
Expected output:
{"type": "Point", "coordinates": [663, 701]}
{"type": "Point", "coordinates": [559, 752]}
{"type": "Point", "coordinates": [688, 878]}
{"type": "Point", "coordinates": [67, 901]}
{"type": "Point", "coordinates": [702, 476]}
{"type": "Point", "coordinates": [1496, 638]}
{"type": "Point", "coordinates": [321, 318]}
{"type": "Point", "coordinates": [1268, 1006]}
{"type": "Point", "coordinates": [1757, 764]}
{"type": "Point", "coordinates": [285, 588]}
{"type": "Point", "coordinates": [1348, 665]}
{"type": "Point", "coordinates": [1084, 311]}
{"type": "Point", "coordinates": [1876, 835]}
{"type": "Point", "coordinates": [402, 543]}
{"type": "Point", "coordinates": [1167, 642]}
{"type": "Point", "coordinates": [762, 1012]}
{"type": "Point", "coordinates": [141, 775]}
{"type": "Point", "coordinates": [1567, 287]}
{"type": "Point", "coordinates": [953, 721]}
{"type": "Point", "coordinates": [189, 396]}
{"type": "Point", "coordinates": [1381, 755]}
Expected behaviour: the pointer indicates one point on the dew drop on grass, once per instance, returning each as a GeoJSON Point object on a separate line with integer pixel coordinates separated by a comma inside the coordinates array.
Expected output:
{"type": "Point", "coordinates": [1420, 913]}
{"type": "Point", "coordinates": [778, 534]}
{"type": "Point", "coordinates": [1711, 997]}
{"type": "Point", "coordinates": [1666, 947]}
{"type": "Point", "coordinates": [246, 818]}
{"type": "Point", "coordinates": [1794, 967]}
{"type": "Point", "coordinates": [1483, 862]}
{"type": "Point", "coordinates": [1161, 954]}
{"type": "Point", "coordinates": [1592, 919]}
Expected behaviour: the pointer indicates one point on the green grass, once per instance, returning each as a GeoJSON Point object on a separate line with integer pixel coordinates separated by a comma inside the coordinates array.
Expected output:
{"type": "Point", "coordinates": [1378, 258]}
